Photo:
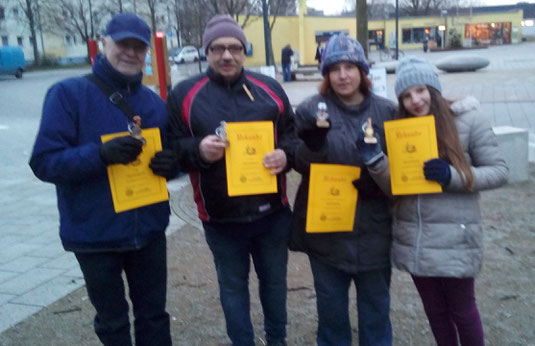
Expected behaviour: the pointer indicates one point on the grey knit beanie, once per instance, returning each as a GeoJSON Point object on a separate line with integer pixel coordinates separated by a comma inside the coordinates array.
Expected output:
{"type": "Point", "coordinates": [222, 25]}
{"type": "Point", "coordinates": [343, 48]}
{"type": "Point", "coordinates": [413, 71]}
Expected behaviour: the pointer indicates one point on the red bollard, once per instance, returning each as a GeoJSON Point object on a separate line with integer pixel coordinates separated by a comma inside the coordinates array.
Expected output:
{"type": "Point", "coordinates": [160, 63]}
{"type": "Point", "coordinates": [93, 50]}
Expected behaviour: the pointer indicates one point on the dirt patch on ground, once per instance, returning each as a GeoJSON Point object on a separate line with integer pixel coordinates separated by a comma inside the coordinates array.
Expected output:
{"type": "Point", "coordinates": [505, 290]}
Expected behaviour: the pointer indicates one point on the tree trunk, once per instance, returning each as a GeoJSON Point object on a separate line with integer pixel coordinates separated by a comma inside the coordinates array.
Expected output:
{"type": "Point", "coordinates": [31, 20]}
{"type": "Point", "coordinates": [362, 25]}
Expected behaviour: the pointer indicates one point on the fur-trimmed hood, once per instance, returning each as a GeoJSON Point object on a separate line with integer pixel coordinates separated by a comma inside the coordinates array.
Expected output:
{"type": "Point", "coordinates": [467, 104]}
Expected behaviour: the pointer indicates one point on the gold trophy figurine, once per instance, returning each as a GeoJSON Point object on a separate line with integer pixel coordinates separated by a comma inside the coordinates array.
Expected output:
{"type": "Point", "coordinates": [135, 128]}
{"type": "Point", "coordinates": [322, 115]}
{"type": "Point", "coordinates": [221, 131]}
{"type": "Point", "coordinates": [368, 133]}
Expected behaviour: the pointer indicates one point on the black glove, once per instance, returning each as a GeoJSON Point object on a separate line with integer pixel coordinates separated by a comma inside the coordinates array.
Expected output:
{"type": "Point", "coordinates": [367, 187]}
{"type": "Point", "coordinates": [314, 136]}
{"type": "Point", "coordinates": [121, 150]}
{"type": "Point", "coordinates": [165, 164]}
{"type": "Point", "coordinates": [437, 170]}
{"type": "Point", "coordinates": [370, 152]}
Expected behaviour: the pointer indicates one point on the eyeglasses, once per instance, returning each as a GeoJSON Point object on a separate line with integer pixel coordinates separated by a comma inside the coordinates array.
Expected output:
{"type": "Point", "coordinates": [233, 49]}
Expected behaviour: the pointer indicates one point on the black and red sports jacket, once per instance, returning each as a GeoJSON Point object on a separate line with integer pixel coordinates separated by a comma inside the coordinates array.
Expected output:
{"type": "Point", "coordinates": [196, 107]}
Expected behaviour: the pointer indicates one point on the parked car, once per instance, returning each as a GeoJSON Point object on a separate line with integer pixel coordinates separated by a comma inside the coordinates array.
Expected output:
{"type": "Point", "coordinates": [12, 61]}
{"type": "Point", "coordinates": [186, 54]}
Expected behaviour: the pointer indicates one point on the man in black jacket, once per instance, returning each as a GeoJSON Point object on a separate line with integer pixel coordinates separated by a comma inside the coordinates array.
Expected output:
{"type": "Point", "coordinates": [286, 61]}
{"type": "Point", "coordinates": [238, 227]}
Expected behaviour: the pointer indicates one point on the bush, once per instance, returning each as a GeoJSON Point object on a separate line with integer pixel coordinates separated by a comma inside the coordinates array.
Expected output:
{"type": "Point", "coordinates": [454, 39]}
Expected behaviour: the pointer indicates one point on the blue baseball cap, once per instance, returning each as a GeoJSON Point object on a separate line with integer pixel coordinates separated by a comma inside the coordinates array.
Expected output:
{"type": "Point", "coordinates": [128, 25]}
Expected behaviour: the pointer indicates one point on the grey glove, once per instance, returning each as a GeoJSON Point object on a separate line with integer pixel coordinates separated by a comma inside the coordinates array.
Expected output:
{"type": "Point", "coordinates": [370, 153]}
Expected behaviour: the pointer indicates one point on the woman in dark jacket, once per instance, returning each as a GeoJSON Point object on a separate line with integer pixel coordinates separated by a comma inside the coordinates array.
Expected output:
{"type": "Point", "coordinates": [362, 255]}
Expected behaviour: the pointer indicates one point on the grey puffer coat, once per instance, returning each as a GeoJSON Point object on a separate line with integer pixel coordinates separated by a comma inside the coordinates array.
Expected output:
{"type": "Point", "coordinates": [441, 234]}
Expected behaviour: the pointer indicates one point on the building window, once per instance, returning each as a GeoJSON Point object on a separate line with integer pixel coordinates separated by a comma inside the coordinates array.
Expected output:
{"type": "Point", "coordinates": [19, 40]}
{"type": "Point", "coordinates": [5, 41]}
{"type": "Point", "coordinates": [2, 13]}
{"type": "Point", "coordinates": [415, 35]}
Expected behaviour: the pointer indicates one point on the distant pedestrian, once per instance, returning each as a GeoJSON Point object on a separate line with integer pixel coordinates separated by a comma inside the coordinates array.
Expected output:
{"type": "Point", "coordinates": [425, 43]}
{"type": "Point", "coordinates": [286, 60]}
{"type": "Point", "coordinates": [319, 51]}
{"type": "Point", "coordinates": [239, 229]}
{"type": "Point", "coordinates": [69, 153]}
{"type": "Point", "coordinates": [437, 237]}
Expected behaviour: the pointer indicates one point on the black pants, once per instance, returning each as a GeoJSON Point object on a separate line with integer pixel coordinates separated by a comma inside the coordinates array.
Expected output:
{"type": "Point", "coordinates": [146, 273]}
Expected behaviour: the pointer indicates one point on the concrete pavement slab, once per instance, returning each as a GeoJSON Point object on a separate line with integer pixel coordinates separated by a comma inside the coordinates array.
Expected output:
{"type": "Point", "coordinates": [47, 293]}
{"type": "Point", "coordinates": [6, 275]}
{"type": "Point", "coordinates": [11, 314]}
{"type": "Point", "coordinates": [23, 264]}
{"type": "Point", "coordinates": [25, 282]}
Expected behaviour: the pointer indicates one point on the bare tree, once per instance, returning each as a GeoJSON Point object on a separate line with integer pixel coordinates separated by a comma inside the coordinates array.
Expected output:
{"type": "Point", "coordinates": [276, 8]}
{"type": "Point", "coordinates": [74, 16]}
{"type": "Point", "coordinates": [29, 7]}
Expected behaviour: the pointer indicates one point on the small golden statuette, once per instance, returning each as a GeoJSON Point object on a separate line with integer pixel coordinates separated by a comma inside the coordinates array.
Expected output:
{"type": "Point", "coordinates": [322, 115]}
{"type": "Point", "coordinates": [135, 128]}
{"type": "Point", "coordinates": [368, 133]}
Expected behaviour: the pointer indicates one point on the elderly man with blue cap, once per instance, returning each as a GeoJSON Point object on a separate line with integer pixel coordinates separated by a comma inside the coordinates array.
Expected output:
{"type": "Point", "coordinates": [70, 153]}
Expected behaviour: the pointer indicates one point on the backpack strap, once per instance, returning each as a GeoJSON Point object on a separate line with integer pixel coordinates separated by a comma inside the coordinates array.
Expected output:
{"type": "Point", "coordinates": [114, 96]}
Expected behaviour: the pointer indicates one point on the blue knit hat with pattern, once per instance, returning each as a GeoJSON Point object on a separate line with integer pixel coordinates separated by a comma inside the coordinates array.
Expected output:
{"type": "Point", "coordinates": [343, 48]}
{"type": "Point", "coordinates": [413, 71]}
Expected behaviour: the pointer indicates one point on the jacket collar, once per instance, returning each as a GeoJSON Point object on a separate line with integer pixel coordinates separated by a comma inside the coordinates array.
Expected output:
{"type": "Point", "coordinates": [105, 71]}
{"type": "Point", "coordinates": [217, 78]}
{"type": "Point", "coordinates": [351, 108]}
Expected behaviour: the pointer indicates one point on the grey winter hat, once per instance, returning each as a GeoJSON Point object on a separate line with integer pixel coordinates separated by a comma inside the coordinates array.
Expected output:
{"type": "Point", "coordinates": [222, 25]}
{"type": "Point", "coordinates": [128, 25]}
{"type": "Point", "coordinates": [343, 48]}
{"type": "Point", "coordinates": [413, 71]}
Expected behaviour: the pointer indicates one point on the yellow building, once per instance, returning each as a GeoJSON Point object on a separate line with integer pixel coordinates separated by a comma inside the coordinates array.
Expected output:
{"type": "Point", "coordinates": [304, 33]}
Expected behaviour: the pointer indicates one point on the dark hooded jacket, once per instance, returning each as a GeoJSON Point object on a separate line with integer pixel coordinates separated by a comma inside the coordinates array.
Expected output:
{"type": "Point", "coordinates": [367, 247]}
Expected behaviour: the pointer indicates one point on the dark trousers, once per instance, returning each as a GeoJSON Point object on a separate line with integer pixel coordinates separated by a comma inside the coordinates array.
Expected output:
{"type": "Point", "coordinates": [269, 252]}
{"type": "Point", "coordinates": [146, 273]}
{"type": "Point", "coordinates": [286, 72]}
{"type": "Point", "coordinates": [332, 299]}
{"type": "Point", "coordinates": [450, 306]}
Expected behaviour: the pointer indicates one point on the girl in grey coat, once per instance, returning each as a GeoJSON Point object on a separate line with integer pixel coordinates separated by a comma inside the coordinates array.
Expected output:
{"type": "Point", "coordinates": [437, 237]}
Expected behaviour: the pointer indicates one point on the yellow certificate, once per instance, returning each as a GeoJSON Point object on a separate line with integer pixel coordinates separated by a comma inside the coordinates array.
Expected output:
{"type": "Point", "coordinates": [411, 142]}
{"type": "Point", "coordinates": [134, 185]}
{"type": "Point", "coordinates": [332, 198]}
{"type": "Point", "coordinates": [249, 142]}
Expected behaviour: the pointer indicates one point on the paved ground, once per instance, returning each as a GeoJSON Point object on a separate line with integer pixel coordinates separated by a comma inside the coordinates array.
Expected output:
{"type": "Point", "coordinates": [34, 269]}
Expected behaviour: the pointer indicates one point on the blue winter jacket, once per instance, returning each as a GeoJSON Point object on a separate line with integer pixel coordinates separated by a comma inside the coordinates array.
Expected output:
{"type": "Point", "coordinates": [66, 153]}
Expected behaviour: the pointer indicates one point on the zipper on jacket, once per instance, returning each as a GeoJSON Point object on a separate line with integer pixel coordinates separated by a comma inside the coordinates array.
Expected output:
{"type": "Point", "coordinates": [418, 237]}
{"type": "Point", "coordinates": [136, 226]}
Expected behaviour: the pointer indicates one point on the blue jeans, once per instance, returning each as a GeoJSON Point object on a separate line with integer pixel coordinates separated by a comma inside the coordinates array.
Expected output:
{"type": "Point", "coordinates": [146, 273]}
{"type": "Point", "coordinates": [286, 73]}
{"type": "Point", "coordinates": [373, 305]}
{"type": "Point", "coordinates": [232, 261]}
